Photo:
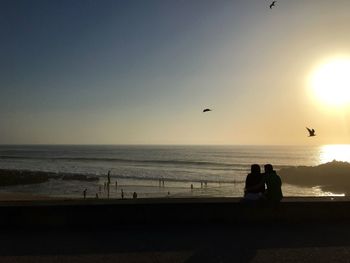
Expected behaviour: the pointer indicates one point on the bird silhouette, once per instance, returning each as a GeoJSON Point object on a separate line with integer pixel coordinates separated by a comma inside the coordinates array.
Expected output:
{"type": "Point", "coordinates": [311, 132]}
{"type": "Point", "coordinates": [272, 4]}
{"type": "Point", "coordinates": [205, 110]}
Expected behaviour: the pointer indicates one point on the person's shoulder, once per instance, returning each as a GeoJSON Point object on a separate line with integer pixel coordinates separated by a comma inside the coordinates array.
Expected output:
{"type": "Point", "coordinates": [249, 176]}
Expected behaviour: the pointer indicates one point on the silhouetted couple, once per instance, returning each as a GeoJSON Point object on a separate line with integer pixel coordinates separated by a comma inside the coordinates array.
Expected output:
{"type": "Point", "coordinates": [263, 186]}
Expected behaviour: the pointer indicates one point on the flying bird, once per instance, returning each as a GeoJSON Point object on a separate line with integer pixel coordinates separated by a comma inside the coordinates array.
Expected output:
{"type": "Point", "coordinates": [272, 4]}
{"type": "Point", "coordinates": [311, 132]}
{"type": "Point", "coordinates": [205, 110]}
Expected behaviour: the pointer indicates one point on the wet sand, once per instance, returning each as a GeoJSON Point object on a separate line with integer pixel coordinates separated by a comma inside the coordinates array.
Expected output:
{"type": "Point", "coordinates": [9, 196]}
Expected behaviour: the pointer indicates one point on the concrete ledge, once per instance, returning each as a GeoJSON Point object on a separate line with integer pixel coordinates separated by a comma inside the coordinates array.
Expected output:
{"type": "Point", "coordinates": [114, 213]}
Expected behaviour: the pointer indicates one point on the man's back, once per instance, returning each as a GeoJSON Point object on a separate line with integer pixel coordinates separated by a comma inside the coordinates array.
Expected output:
{"type": "Point", "coordinates": [274, 184]}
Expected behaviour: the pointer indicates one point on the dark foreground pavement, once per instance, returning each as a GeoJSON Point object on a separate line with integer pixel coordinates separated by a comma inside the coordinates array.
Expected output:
{"type": "Point", "coordinates": [278, 242]}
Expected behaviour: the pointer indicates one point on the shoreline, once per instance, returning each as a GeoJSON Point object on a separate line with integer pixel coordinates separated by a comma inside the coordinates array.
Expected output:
{"type": "Point", "coordinates": [28, 184]}
{"type": "Point", "coordinates": [8, 197]}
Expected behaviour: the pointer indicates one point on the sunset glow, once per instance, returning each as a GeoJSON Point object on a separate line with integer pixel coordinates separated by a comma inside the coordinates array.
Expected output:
{"type": "Point", "coordinates": [174, 99]}
{"type": "Point", "coordinates": [331, 82]}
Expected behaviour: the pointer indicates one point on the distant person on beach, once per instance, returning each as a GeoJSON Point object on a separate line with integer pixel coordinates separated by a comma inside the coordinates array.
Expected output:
{"type": "Point", "coordinates": [134, 196]}
{"type": "Point", "coordinates": [273, 182]}
{"type": "Point", "coordinates": [122, 194]}
{"type": "Point", "coordinates": [109, 177]}
{"type": "Point", "coordinates": [84, 193]}
{"type": "Point", "coordinates": [254, 184]}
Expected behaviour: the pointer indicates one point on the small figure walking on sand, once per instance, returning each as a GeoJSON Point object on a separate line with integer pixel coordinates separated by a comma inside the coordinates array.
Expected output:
{"type": "Point", "coordinates": [122, 194]}
{"type": "Point", "coordinates": [84, 193]}
{"type": "Point", "coordinates": [191, 186]}
{"type": "Point", "coordinates": [116, 183]}
{"type": "Point", "coordinates": [109, 177]}
{"type": "Point", "coordinates": [163, 182]}
{"type": "Point", "coordinates": [96, 195]}
{"type": "Point", "coordinates": [134, 196]}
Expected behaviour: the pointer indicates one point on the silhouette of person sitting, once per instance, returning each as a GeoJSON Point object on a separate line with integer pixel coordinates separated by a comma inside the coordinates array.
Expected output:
{"type": "Point", "coordinates": [254, 184]}
{"type": "Point", "coordinates": [273, 182]}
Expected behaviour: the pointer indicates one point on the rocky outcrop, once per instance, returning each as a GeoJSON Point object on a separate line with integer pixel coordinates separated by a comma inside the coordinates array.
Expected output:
{"type": "Point", "coordinates": [23, 177]}
{"type": "Point", "coordinates": [333, 176]}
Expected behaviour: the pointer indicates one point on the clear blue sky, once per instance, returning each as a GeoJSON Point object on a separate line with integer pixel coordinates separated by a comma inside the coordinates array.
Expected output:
{"type": "Point", "coordinates": [139, 72]}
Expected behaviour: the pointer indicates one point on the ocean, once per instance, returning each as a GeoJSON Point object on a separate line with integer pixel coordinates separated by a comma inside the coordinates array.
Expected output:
{"type": "Point", "coordinates": [211, 170]}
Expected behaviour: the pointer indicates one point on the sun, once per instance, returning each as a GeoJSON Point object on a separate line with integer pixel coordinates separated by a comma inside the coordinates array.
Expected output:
{"type": "Point", "coordinates": [331, 82]}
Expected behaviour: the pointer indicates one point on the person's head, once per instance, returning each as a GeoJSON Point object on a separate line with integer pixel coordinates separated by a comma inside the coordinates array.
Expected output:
{"type": "Point", "coordinates": [255, 169]}
{"type": "Point", "coordinates": [268, 168]}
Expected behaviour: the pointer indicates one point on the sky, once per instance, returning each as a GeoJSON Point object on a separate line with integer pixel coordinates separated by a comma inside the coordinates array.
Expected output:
{"type": "Point", "coordinates": [141, 72]}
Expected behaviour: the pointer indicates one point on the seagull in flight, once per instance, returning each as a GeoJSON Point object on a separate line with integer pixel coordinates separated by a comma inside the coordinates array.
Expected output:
{"type": "Point", "coordinates": [205, 110]}
{"type": "Point", "coordinates": [311, 132]}
{"type": "Point", "coordinates": [272, 4]}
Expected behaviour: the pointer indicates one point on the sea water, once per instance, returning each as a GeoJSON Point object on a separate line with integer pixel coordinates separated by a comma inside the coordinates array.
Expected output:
{"type": "Point", "coordinates": [211, 170]}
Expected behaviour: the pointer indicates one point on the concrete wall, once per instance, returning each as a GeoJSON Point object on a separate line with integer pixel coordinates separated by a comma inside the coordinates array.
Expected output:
{"type": "Point", "coordinates": [114, 213]}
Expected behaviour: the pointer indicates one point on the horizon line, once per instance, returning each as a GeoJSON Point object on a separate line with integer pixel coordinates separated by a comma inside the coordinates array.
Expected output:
{"type": "Point", "coordinates": [160, 144]}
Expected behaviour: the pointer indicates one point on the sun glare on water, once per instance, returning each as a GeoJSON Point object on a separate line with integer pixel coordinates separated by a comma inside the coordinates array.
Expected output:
{"type": "Point", "coordinates": [331, 82]}
{"type": "Point", "coordinates": [338, 152]}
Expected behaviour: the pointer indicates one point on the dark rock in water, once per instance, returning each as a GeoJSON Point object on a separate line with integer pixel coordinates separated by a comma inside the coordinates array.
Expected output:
{"type": "Point", "coordinates": [333, 176]}
{"type": "Point", "coordinates": [23, 177]}
{"type": "Point", "coordinates": [79, 177]}
{"type": "Point", "coordinates": [18, 177]}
